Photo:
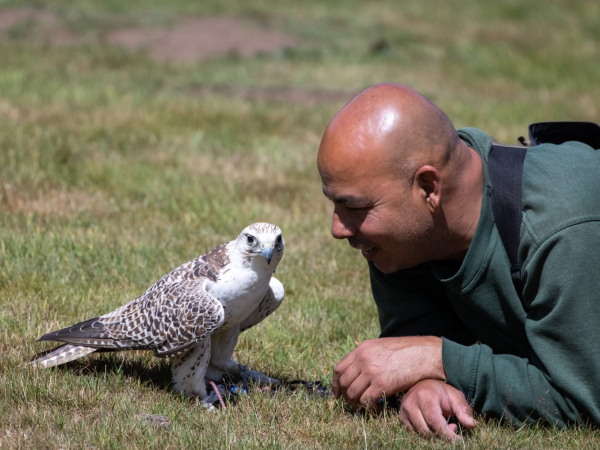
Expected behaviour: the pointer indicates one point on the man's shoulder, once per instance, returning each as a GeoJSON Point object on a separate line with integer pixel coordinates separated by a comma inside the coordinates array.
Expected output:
{"type": "Point", "coordinates": [477, 139]}
{"type": "Point", "coordinates": [561, 186]}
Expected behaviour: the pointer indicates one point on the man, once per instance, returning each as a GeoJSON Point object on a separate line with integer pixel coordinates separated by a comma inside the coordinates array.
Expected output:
{"type": "Point", "coordinates": [413, 195]}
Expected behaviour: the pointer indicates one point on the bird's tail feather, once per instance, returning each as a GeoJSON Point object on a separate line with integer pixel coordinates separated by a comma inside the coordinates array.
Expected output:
{"type": "Point", "coordinates": [60, 355]}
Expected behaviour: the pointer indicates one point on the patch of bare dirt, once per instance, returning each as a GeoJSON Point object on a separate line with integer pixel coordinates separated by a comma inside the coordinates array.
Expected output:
{"type": "Point", "coordinates": [12, 17]}
{"type": "Point", "coordinates": [297, 96]}
{"type": "Point", "coordinates": [195, 39]}
{"type": "Point", "coordinates": [187, 40]}
{"type": "Point", "coordinates": [42, 25]}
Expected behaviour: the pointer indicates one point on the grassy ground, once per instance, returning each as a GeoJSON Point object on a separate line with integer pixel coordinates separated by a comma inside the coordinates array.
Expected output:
{"type": "Point", "coordinates": [112, 173]}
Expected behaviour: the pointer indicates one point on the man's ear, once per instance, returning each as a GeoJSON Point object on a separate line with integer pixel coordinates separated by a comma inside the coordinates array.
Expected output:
{"type": "Point", "coordinates": [428, 187]}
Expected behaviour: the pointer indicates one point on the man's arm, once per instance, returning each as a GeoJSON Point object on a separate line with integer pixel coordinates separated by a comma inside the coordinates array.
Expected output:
{"type": "Point", "coordinates": [410, 303]}
{"type": "Point", "coordinates": [560, 380]}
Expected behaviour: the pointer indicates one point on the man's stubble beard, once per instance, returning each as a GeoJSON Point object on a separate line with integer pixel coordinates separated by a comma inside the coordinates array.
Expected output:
{"type": "Point", "coordinates": [418, 243]}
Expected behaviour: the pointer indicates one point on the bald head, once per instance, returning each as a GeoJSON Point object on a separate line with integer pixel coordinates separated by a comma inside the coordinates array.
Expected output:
{"type": "Point", "coordinates": [405, 188]}
{"type": "Point", "coordinates": [391, 126]}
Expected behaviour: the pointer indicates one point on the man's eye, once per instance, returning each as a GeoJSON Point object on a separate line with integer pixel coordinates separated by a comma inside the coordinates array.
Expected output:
{"type": "Point", "coordinates": [357, 208]}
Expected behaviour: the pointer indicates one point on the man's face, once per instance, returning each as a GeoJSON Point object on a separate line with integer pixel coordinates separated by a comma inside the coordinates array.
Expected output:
{"type": "Point", "coordinates": [380, 214]}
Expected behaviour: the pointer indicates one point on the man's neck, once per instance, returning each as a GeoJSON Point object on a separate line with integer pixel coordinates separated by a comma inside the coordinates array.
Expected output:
{"type": "Point", "coordinates": [464, 207]}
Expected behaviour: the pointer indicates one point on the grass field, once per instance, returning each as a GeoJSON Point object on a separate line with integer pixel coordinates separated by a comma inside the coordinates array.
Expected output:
{"type": "Point", "coordinates": [114, 169]}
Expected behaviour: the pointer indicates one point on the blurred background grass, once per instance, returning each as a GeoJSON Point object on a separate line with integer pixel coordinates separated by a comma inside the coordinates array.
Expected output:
{"type": "Point", "coordinates": [116, 167]}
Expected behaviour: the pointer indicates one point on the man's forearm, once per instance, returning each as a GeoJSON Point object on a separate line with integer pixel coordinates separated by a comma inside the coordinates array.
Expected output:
{"type": "Point", "coordinates": [505, 386]}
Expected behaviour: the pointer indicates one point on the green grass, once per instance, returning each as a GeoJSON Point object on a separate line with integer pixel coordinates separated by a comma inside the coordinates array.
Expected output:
{"type": "Point", "coordinates": [111, 174]}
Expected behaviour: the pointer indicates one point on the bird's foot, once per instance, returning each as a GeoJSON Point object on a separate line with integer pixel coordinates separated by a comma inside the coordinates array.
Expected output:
{"type": "Point", "coordinates": [208, 402]}
{"type": "Point", "coordinates": [251, 377]}
{"type": "Point", "coordinates": [217, 394]}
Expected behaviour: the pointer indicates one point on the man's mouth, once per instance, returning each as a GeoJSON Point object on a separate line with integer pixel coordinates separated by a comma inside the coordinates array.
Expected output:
{"type": "Point", "coordinates": [367, 251]}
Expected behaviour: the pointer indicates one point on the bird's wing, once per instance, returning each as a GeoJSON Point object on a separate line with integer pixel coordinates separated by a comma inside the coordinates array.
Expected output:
{"type": "Point", "coordinates": [168, 318]}
{"type": "Point", "coordinates": [267, 306]}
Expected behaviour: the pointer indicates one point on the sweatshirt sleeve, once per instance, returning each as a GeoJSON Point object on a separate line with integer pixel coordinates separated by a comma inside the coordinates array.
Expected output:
{"type": "Point", "coordinates": [560, 380]}
{"type": "Point", "coordinates": [413, 302]}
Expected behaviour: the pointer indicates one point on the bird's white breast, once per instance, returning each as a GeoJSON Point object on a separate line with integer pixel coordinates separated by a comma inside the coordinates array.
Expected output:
{"type": "Point", "coordinates": [240, 288]}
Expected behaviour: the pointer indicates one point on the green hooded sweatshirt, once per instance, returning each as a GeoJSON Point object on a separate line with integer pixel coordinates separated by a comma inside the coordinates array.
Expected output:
{"type": "Point", "coordinates": [517, 356]}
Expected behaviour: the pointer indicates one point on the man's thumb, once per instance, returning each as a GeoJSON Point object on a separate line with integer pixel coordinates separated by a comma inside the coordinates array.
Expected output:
{"type": "Point", "coordinates": [464, 414]}
{"type": "Point", "coordinates": [462, 410]}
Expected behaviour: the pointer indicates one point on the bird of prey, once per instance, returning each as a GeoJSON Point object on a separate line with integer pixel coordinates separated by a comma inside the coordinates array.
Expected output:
{"type": "Point", "coordinates": [192, 315]}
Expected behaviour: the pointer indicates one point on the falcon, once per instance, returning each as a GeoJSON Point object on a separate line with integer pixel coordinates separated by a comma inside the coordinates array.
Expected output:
{"type": "Point", "coordinates": [193, 315]}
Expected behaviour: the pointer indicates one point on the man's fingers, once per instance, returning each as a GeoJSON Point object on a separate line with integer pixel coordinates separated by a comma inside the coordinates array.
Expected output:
{"type": "Point", "coordinates": [346, 379]}
{"type": "Point", "coordinates": [370, 396]}
{"type": "Point", "coordinates": [418, 422]}
{"type": "Point", "coordinates": [338, 371]}
{"type": "Point", "coordinates": [428, 426]}
{"type": "Point", "coordinates": [439, 424]}
{"type": "Point", "coordinates": [450, 432]}
{"type": "Point", "coordinates": [428, 423]}
{"type": "Point", "coordinates": [406, 422]}
{"type": "Point", "coordinates": [356, 391]}
{"type": "Point", "coordinates": [429, 404]}
{"type": "Point", "coordinates": [412, 417]}
{"type": "Point", "coordinates": [434, 417]}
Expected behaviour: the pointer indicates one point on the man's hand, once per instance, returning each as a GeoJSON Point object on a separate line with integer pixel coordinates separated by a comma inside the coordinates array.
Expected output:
{"type": "Point", "coordinates": [386, 366]}
{"type": "Point", "coordinates": [427, 406]}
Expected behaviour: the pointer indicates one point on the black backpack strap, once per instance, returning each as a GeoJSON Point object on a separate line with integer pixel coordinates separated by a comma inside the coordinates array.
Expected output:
{"type": "Point", "coordinates": [505, 168]}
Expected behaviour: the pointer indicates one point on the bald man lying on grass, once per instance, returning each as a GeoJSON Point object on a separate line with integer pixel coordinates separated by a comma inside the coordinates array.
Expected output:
{"type": "Point", "coordinates": [413, 195]}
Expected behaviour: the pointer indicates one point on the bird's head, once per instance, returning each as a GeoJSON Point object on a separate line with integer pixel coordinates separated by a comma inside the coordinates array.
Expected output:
{"type": "Point", "coordinates": [262, 240]}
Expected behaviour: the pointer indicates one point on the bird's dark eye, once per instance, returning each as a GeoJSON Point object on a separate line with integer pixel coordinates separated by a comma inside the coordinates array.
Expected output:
{"type": "Point", "coordinates": [250, 239]}
{"type": "Point", "coordinates": [278, 240]}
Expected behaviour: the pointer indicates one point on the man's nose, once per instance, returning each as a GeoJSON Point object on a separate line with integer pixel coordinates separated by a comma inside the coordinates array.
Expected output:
{"type": "Point", "coordinates": [341, 228]}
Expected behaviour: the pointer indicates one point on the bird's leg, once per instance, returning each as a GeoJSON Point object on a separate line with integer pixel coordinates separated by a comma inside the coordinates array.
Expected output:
{"type": "Point", "coordinates": [189, 370]}
{"type": "Point", "coordinates": [221, 361]}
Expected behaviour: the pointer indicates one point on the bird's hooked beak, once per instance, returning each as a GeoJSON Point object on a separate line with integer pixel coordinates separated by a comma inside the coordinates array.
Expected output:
{"type": "Point", "coordinates": [267, 252]}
